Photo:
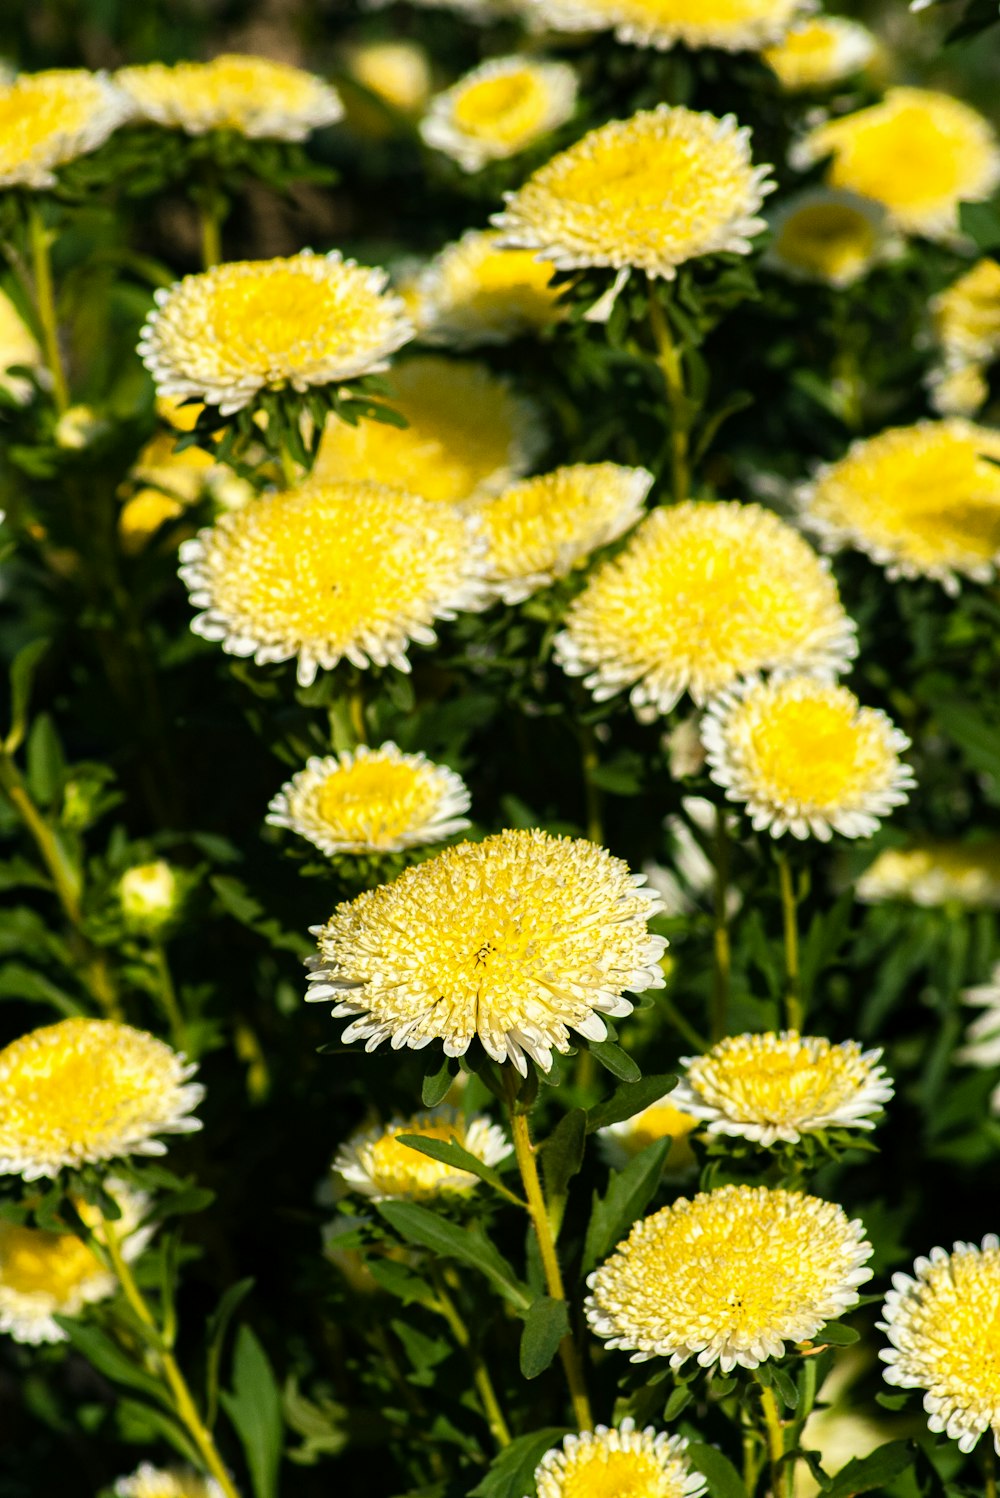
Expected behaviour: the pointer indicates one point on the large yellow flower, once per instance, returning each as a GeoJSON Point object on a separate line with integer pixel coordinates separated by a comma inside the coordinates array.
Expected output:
{"type": "Point", "coordinates": [48, 119]}
{"type": "Point", "coordinates": [819, 51]}
{"type": "Point", "coordinates": [618, 1463]}
{"type": "Point", "coordinates": [148, 1481]}
{"type": "Point", "coordinates": [476, 292]}
{"type": "Point", "coordinates": [517, 940]}
{"type": "Point", "coordinates": [829, 236]}
{"type": "Point", "coordinates": [932, 874]}
{"type": "Point", "coordinates": [374, 1163]}
{"type": "Point", "coordinates": [499, 109]}
{"type": "Point", "coordinates": [250, 95]}
{"type": "Point", "coordinates": [665, 186]}
{"type": "Point", "coordinates": [732, 25]}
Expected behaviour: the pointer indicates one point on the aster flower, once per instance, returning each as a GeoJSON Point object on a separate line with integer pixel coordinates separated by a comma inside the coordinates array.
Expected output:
{"type": "Point", "coordinates": [665, 186]}
{"type": "Point", "coordinates": [935, 873]}
{"type": "Point", "coordinates": [49, 119]}
{"type": "Point", "coordinates": [540, 529]}
{"type": "Point", "coordinates": [148, 1481]}
{"type": "Point", "coordinates": [921, 501]}
{"type": "Point", "coordinates": [705, 593]}
{"type": "Point", "coordinates": [252, 96]}
{"type": "Point", "coordinates": [828, 236]}
{"type": "Point", "coordinates": [475, 292]}
{"type": "Point", "coordinates": [518, 940]}
{"type": "Point", "coordinates": [820, 51]}
{"type": "Point", "coordinates": [398, 73]}
{"type": "Point", "coordinates": [149, 895]}
{"type": "Point", "coordinates": [252, 325]}
{"type": "Point", "coordinates": [957, 389]}
{"type": "Point", "coordinates": [982, 1038]}
{"type": "Point", "coordinates": [372, 801]}
{"type": "Point", "coordinates": [469, 434]}
{"type": "Point", "coordinates": [730, 1276]}
{"type": "Point", "coordinates": [942, 1323]}
{"type": "Point", "coordinates": [966, 314]}
{"type": "Point", "coordinates": [619, 1460]}
{"type": "Point", "coordinates": [730, 25]}
{"type": "Point", "coordinates": [500, 108]}
{"type": "Point", "coordinates": [87, 1090]}
{"type": "Point", "coordinates": [18, 346]}
{"type": "Point", "coordinates": [918, 153]}
{"type": "Point", "coordinates": [374, 1163]}
{"type": "Point", "coordinates": [621, 1142]}
{"type": "Point", "coordinates": [778, 1087]}
{"type": "Point", "coordinates": [804, 757]}
{"type": "Point", "coordinates": [332, 571]}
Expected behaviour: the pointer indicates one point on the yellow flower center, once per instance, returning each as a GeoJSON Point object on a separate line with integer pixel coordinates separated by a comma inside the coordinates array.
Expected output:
{"type": "Point", "coordinates": [595, 1471]}
{"type": "Point", "coordinates": [509, 108]}
{"type": "Point", "coordinates": [656, 1123]}
{"type": "Point", "coordinates": [375, 801]}
{"type": "Point", "coordinates": [779, 1080]}
{"type": "Point", "coordinates": [230, 88]}
{"type": "Point", "coordinates": [39, 112]}
{"type": "Point", "coordinates": [829, 240]}
{"type": "Point", "coordinates": [37, 1263]}
{"type": "Point", "coordinates": [967, 315]}
{"type": "Point", "coordinates": [811, 746]}
{"type": "Point", "coordinates": [953, 1322]}
{"type": "Point", "coordinates": [400, 1170]}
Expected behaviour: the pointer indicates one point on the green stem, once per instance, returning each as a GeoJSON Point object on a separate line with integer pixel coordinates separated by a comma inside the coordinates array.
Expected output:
{"type": "Point", "coordinates": [480, 1373]}
{"type": "Point", "coordinates": [356, 712]}
{"type": "Point", "coordinates": [723, 956]}
{"type": "Point", "coordinates": [589, 762]}
{"type": "Point", "coordinates": [775, 1434]}
{"type": "Point", "coordinates": [168, 998]}
{"type": "Point", "coordinates": [210, 227]}
{"type": "Point", "coordinates": [40, 240]}
{"type": "Point", "coordinates": [989, 1470]}
{"type": "Point", "coordinates": [668, 358]}
{"type": "Point", "coordinates": [793, 993]}
{"type": "Point", "coordinates": [683, 1027]}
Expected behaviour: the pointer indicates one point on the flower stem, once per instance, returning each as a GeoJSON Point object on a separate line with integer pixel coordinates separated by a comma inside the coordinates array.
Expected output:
{"type": "Point", "coordinates": [480, 1373]}
{"type": "Point", "coordinates": [210, 226]}
{"type": "Point", "coordinates": [356, 710]}
{"type": "Point", "coordinates": [723, 956]}
{"type": "Point", "coordinates": [775, 1434]}
{"type": "Point", "coordinates": [40, 240]}
{"type": "Point", "coordinates": [989, 1469]}
{"type": "Point", "coordinates": [668, 358]}
{"type": "Point", "coordinates": [685, 1030]}
{"type": "Point", "coordinates": [168, 998]}
{"type": "Point", "coordinates": [793, 993]}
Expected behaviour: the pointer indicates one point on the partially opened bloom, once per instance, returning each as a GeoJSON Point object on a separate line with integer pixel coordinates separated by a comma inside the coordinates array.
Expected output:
{"type": "Point", "coordinates": [83, 1091]}
{"type": "Point", "coordinates": [500, 108]}
{"type": "Point", "coordinates": [731, 25]}
{"type": "Point", "coordinates": [475, 292]}
{"type": "Point", "coordinates": [518, 940]}
{"type": "Point", "coordinates": [148, 1481]}
{"type": "Point", "coordinates": [665, 186]}
{"type": "Point", "coordinates": [942, 1322]}
{"type": "Point", "coordinates": [18, 346]}
{"type": "Point", "coordinates": [252, 325]}
{"type": "Point", "coordinates": [982, 1038]}
{"type": "Point", "coordinates": [966, 314]}
{"type": "Point", "coordinates": [398, 73]}
{"type": "Point", "coordinates": [922, 501]}
{"type": "Point", "coordinates": [372, 801]}
{"type": "Point", "coordinates": [730, 1276]}
{"type": "Point", "coordinates": [252, 96]}
{"type": "Point", "coordinates": [49, 119]}
{"type": "Point", "coordinates": [829, 236]}
{"type": "Point", "coordinates": [621, 1142]}
{"type": "Point", "coordinates": [620, 1461]}
{"type": "Point", "coordinates": [935, 874]}
{"type": "Point", "coordinates": [705, 593]}
{"type": "Point", "coordinates": [332, 571]}
{"type": "Point", "coordinates": [150, 895]}
{"type": "Point", "coordinates": [374, 1162]}
{"type": "Point", "coordinates": [820, 51]}
{"type": "Point", "coordinates": [773, 1087]}
{"type": "Point", "coordinates": [540, 529]}
{"type": "Point", "coordinates": [804, 757]}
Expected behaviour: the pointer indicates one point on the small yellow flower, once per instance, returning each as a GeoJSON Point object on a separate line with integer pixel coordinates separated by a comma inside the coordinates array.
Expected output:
{"type": "Point", "coordinates": [19, 346]}
{"type": "Point", "coordinates": [935, 874]}
{"type": "Point", "coordinates": [828, 236]}
{"type": "Point", "coordinates": [149, 895]}
{"type": "Point", "coordinates": [181, 473]}
{"type": "Point", "coordinates": [475, 292]}
{"type": "Point", "coordinates": [820, 51]}
{"type": "Point", "coordinates": [500, 108]}
{"type": "Point", "coordinates": [731, 25]}
{"type": "Point", "coordinates": [967, 314]}
{"type": "Point", "coordinates": [958, 389]}
{"type": "Point", "coordinates": [252, 96]}
{"type": "Point", "coordinates": [178, 413]}
{"type": "Point", "coordinates": [148, 1481]}
{"type": "Point", "coordinates": [621, 1462]}
{"type": "Point", "coordinates": [399, 73]}
{"type": "Point", "coordinates": [374, 1163]}
{"type": "Point", "coordinates": [48, 119]}
{"type": "Point", "coordinates": [621, 1142]}
{"type": "Point", "coordinates": [141, 517]}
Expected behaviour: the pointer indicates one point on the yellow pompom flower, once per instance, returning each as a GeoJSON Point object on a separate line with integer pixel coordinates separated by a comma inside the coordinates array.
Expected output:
{"type": "Point", "coordinates": [252, 96]}
{"type": "Point", "coordinates": [252, 325]}
{"type": "Point", "coordinates": [621, 1142]}
{"type": "Point", "coordinates": [87, 1090]}
{"type": "Point", "coordinates": [820, 51]}
{"type": "Point", "coordinates": [704, 594]}
{"type": "Point", "coordinates": [935, 874]}
{"type": "Point", "coordinates": [148, 1481]}
{"type": "Point", "coordinates": [828, 236]}
{"type": "Point", "coordinates": [468, 434]}
{"type": "Point", "coordinates": [476, 292]}
{"type": "Point", "coordinates": [499, 109]}
{"type": "Point", "coordinates": [665, 186]}
{"type": "Point", "coordinates": [398, 73]}
{"type": "Point", "coordinates": [918, 153]}
{"type": "Point", "coordinates": [371, 801]}
{"type": "Point", "coordinates": [942, 1322]}
{"type": "Point", "coordinates": [731, 25]}
{"type": "Point", "coordinates": [518, 940]}
{"type": "Point", "coordinates": [19, 346]}
{"type": "Point", "coordinates": [49, 119]}
{"type": "Point", "coordinates": [620, 1462]}
{"type": "Point", "coordinates": [966, 314]}
{"type": "Point", "coordinates": [375, 1164]}
{"type": "Point", "coordinates": [921, 501]}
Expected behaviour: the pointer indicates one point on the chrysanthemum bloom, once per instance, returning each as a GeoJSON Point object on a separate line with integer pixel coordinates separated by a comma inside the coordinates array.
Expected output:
{"type": "Point", "coordinates": [374, 1163]}
{"type": "Point", "coordinates": [329, 572]}
{"type": "Point", "coordinates": [820, 51]}
{"type": "Point", "coordinates": [518, 939]}
{"type": "Point", "coordinates": [804, 757]}
{"type": "Point", "coordinates": [540, 529]}
{"type": "Point", "coordinates": [45, 1275]}
{"type": "Point", "coordinates": [621, 1142]}
{"type": "Point", "coordinates": [86, 1090]}
{"type": "Point", "coordinates": [372, 801]}
{"type": "Point", "coordinates": [958, 389]}
{"type": "Point", "coordinates": [731, 25]}
{"type": "Point", "coordinates": [778, 1087]}
{"type": "Point", "coordinates": [398, 73]}
{"type": "Point", "coordinates": [468, 435]}
{"type": "Point", "coordinates": [982, 1038]}
{"type": "Point", "coordinates": [149, 894]}
{"type": "Point", "coordinates": [148, 1481]}
{"type": "Point", "coordinates": [474, 292]}
{"type": "Point", "coordinates": [500, 108]}
{"type": "Point", "coordinates": [828, 236]}
{"type": "Point", "coordinates": [705, 593]}
{"type": "Point", "coordinates": [48, 119]}
{"type": "Point", "coordinates": [252, 96]}
{"type": "Point", "coordinates": [942, 1323]}
{"type": "Point", "coordinates": [665, 186]}
{"type": "Point", "coordinates": [253, 325]}
{"type": "Point", "coordinates": [966, 314]}
{"type": "Point", "coordinates": [935, 874]}
{"type": "Point", "coordinates": [619, 1461]}
{"type": "Point", "coordinates": [921, 501]}
{"type": "Point", "coordinates": [918, 153]}
{"type": "Point", "coordinates": [18, 346]}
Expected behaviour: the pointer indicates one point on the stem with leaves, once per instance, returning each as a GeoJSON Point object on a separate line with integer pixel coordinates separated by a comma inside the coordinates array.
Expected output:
{"type": "Point", "coordinates": [793, 991]}
{"type": "Point", "coordinates": [669, 361]}
{"type": "Point", "coordinates": [781, 1480]}
{"type": "Point", "coordinates": [40, 243]}
{"type": "Point", "coordinates": [480, 1373]}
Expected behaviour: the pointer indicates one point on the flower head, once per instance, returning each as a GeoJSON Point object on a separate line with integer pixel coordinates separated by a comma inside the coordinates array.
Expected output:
{"type": "Point", "coordinates": [922, 501]}
{"type": "Point", "coordinates": [500, 108]}
{"type": "Point", "coordinates": [252, 325]}
{"type": "Point", "coordinates": [148, 1481]}
{"type": "Point", "coordinates": [517, 940]}
{"type": "Point", "coordinates": [48, 119]}
{"type": "Point", "coordinates": [252, 96]}
{"type": "Point", "coordinates": [704, 594]}
{"type": "Point", "coordinates": [665, 186]}
{"type": "Point", "coordinates": [621, 1142]}
{"type": "Point", "coordinates": [935, 874]}
{"type": "Point", "coordinates": [828, 236]}
{"type": "Point", "coordinates": [149, 895]}
{"type": "Point", "coordinates": [957, 389]}
{"type": "Point", "coordinates": [475, 292]}
{"type": "Point", "coordinates": [967, 314]}
{"type": "Point", "coordinates": [820, 51]}
{"type": "Point", "coordinates": [944, 1325]}
{"type": "Point", "coordinates": [918, 153]}
{"type": "Point", "coordinates": [805, 758]}
{"type": "Point", "coordinates": [731, 25]}
{"type": "Point", "coordinates": [18, 346]}
{"type": "Point", "coordinates": [86, 1090]}
{"type": "Point", "coordinates": [374, 1162]}
{"type": "Point", "coordinates": [468, 434]}
{"type": "Point", "coordinates": [398, 73]}
{"type": "Point", "coordinates": [372, 801]}
{"type": "Point", "coordinates": [982, 1038]}
{"type": "Point", "coordinates": [620, 1462]}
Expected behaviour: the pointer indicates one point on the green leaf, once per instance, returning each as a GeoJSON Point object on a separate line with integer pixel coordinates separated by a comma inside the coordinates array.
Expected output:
{"type": "Point", "coordinates": [865, 1474]}
{"type": "Point", "coordinates": [562, 1153]}
{"type": "Point", "coordinates": [513, 1473]}
{"type": "Point", "coordinates": [20, 982]}
{"type": "Point", "coordinates": [545, 1325]}
{"type": "Point", "coordinates": [618, 1062]}
{"type": "Point", "coordinates": [629, 1193]}
{"type": "Point", "coordinates": [435, 1085]}
{"type": "Point", "coordinates": [835, 1334]}
{"type": "Point", "coordinates": [468, 1245]}
{"type": "Point", "coordinates": [46, 765]}
{"type": "Point", "coordinates": [629, 1099]}
{"type": "Point", "coordinates": [401, 1282]}
{"type": "Point", "coordinates": [104, 1355]}
{"type": "Point", "coordinates": [723, 1479]}
{"type": "Point", "coordinates": [142, 1423]}
{"type": "Point", "coordinates": [22, 675]}
{"type": "Point", "coordinates": [678, 1401]}
{"type": "Point", "coordinates": [254, 1407]}
{"type": "Point", "coordinates": [450, 1152]}
{"type": "Point", "coordinates": [981, 221]}
{"type": "Point", "coordinates": [215, 1336]}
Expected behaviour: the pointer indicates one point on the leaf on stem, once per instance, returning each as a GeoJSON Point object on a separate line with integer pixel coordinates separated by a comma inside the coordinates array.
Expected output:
{"type": "Point", "coordinates": [545, 1325]}
{"type": "Point", "coordinates": [629, 1193]}
{"type": "Point", "coordinates": [254, 1407]}
{"type": "Point", "coordinates": [629, 1099]}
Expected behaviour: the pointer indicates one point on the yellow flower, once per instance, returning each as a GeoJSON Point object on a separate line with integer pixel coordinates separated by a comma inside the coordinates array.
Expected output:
{"type": "Point", "coordinates": [935, 874]}
{"type": "Point", "coordinates": [517, 940]}
{"type": "Point", "coordinates": [621, 1142]}
{"type": "Point", "coordinates": [468, 434]}
{"type": "Point", "coordinates": [475, 292]}
{"type": "Point", "coordinates": [967, 314]}
{"type": "Point", "coordinates": [149, 895]}
{"type": "Point", "coordinates": [181, 473]}
{"type": "Point", "coordinates": [17, 346]}
{"type": "Point", "coordinates": [332, 571]}
{"type": "Point", "coordinates": [705, 593]}
{"type": "Point", "coordinates": [803, 757]}
{"type": "Point", "coordinates": [732, 25]}
{"type": "Point", "coordinates": [372, 801]}
{"type": "Point", "coordinates": [730, 1276]}
{"type": "Point", "coordinates": [942, 1322]}
{"type": "Point", "coordinates": [148, 1481]}
{"type": "Point", "coordinates": [665, 186]}
{"type": "Point", "coordinates": [87, 1090]}
{"type": "Point", "coordinates": [500, 108]}
{"type": "Point", "coordinates": [142, 516]}
{"type": "Point", "coordinates": [921, 501]}
{"type": "Point", "coordinates": [396, 72]}
{"type": "Point", "coordinates": [178, 413]}
{"type": "Point", "coordinates": [374, 1163]}
{"type": "Point", "coordinates": [253, 96]}
{"type": "Point", "coordinates": [621, 1462]}
{"type": "Point", "coordinates": [253, 325]}
{"type": "Point", "coordinates": [819, 51]}
{"type": "Point", "coordinates": [918, 153]}
{"type": "Point", "coordinates": [833, 237]}
{"type": "Point", "coordinates": [778, 1087]}
{"type": "Point", "coordinates": [48, 119]}
{"type": "Point", "coordinates": [958, 389]}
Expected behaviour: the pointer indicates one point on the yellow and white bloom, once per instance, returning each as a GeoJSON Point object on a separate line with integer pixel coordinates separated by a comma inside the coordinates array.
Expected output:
{"type": "Point", "coordinates": [829, 236]}
{"type": "Point", "coordinates": [982, 1038]}
{"type": "Point", "coordinates": [620, 1461]}
{"type": "Point", "coordinates": [820, 51]}
{"type": "Point", "coordinates": [957, 389]}
{"type": "Point", "coordinates": [253, 96]}
{"type": "Point", "coordinates": [398, 73]}
{"type": "Point", "coordinates": [18, 346]}
{"type": "Point", "coordinates": [935, 874]}
{"type": "Point", "coordinates": [149, 895]}
{"type": "Point", "coordinates": [966, 315]}
{"type": "Point", "coordinates": [148, 1481]}
{"type": "Point", "coordinates": [475, 292]}
{"type": "Point", "coordinates": [499, 109]}
{"type": "Point", "coordinates": [375, 1164]}
{"type": "Point", "coordinates": [621, 1142]}
{"type": "Point", "coordinates": [730, 25]}
{"type": "Point", "coordinates": [49, 119]}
